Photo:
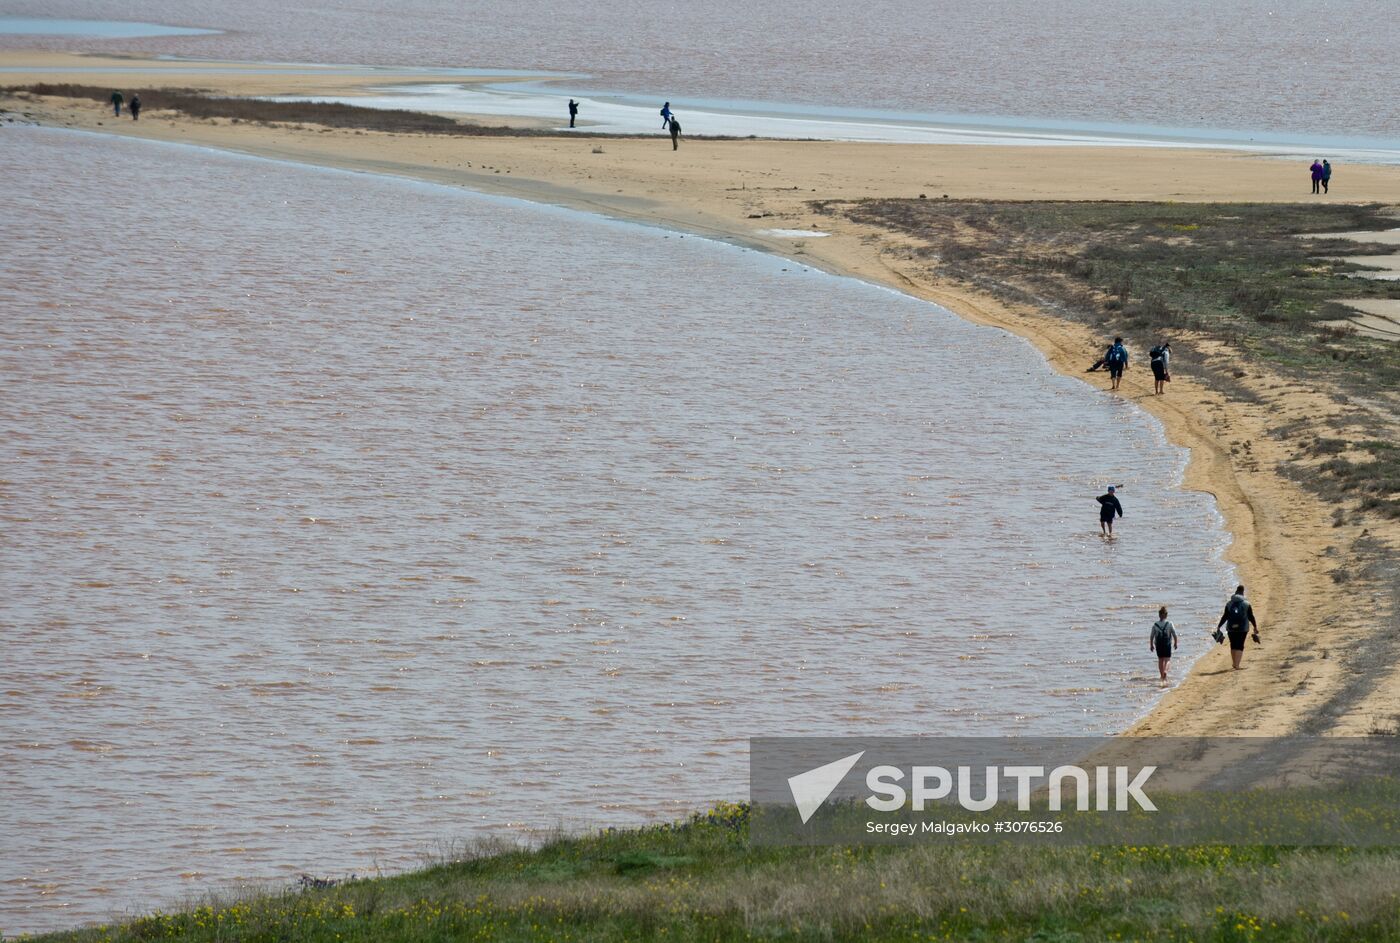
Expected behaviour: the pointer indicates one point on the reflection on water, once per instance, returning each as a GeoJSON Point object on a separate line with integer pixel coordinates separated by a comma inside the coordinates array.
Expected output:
{"type": "Point", "coordinates": [344, 514]}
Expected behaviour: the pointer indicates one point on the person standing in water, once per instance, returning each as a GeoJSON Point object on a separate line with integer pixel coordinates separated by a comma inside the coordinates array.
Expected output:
{"type": "Point", "coordinates": [1237, 618]}
{"type": "Point", "coordinates": [675, 133]}
{"type": "Point", "coordinates": [665, 116]}
{"type": "Point", "coordinates": [116, 101]}
{"type": "Point", "coordinates": [135, 107]}
{"type": "Point", "coordinates": [1161, 362]}
{"type": "Point", "coordinates": [1116, 359]}
{"type": "Point", "coordinates": [1162, 640]}
{"type": "Point", "coordinates": [1108, 508]}
{"type": "Point", "coordinates": [573, 111]}
{"type": "Point", "coordinates": [1316, 169]}
{"type": "Point", "coordinates": [1326, 174]}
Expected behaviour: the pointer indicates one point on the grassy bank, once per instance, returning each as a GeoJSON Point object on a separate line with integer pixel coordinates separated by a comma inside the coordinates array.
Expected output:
{"type": "Point", "coordinates": [1229, 284]}
{"type": "Point", "coordinates": [701, 881]}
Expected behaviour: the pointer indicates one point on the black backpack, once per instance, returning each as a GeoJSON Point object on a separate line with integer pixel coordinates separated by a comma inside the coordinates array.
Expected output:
{"type": "Point", "coordinates": [1236, 612]}
{"type": "Point", "coordinates": [1156, 352]}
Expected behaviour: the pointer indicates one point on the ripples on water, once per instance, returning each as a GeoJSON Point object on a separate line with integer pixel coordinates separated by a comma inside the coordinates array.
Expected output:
{"type": "Point", "coordinates": [1248, 65]}
{"type": "Point", "coordinates": [345, 514]}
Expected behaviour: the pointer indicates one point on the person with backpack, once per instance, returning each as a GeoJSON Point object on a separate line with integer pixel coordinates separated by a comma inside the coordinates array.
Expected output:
{"type": "Point", "coordinates": [573, 111]}
{"type": "Point", "coordinates": [1108, 507]}
{"type": "Point", "coordinates": [665, 116]}
{"type": "Point", "coordinates": [1161, 360]}
{"type": "Point", "coordinates": [1237, 618]}
{"type": "Point", "coordinates": [1162, 639]}
{"type": "Point", "coordinates": [1116, 359]}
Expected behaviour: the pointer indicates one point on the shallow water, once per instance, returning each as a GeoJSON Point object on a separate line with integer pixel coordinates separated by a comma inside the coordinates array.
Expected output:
{"type": "Point", "coordinates": [344, 515]}
{"type": "Point", "coordinates": [629, 114]}
{"type": "Point", "coordinates": [1294, 66]}
{"type": "Point", "coordinates": [90, 29]}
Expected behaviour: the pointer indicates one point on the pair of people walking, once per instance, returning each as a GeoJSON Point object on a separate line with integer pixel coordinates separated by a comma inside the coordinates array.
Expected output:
{"type": "Point", "coordinates": [134, 108]}
{"type": "Point", "coordinates": [668, 121]}
{"type": "Point", "coordinates": [1115, 360]}
{"type": "Point", "coordinates": [1321, 175]}
{"type": "Point", "coordinates": [1238, 620]}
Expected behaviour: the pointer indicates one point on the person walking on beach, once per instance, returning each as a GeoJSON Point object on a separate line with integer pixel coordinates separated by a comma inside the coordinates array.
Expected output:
{"type": "Point", "coordinates": [1161, 361]}
{"type": "Point", "coordinates": [675, 133]}
{"type": "Point", "coordinates": [116, 100]}
{"type": "Point", "coordinates": [1109, 506]}
{"type": "Point", "coordinates": [573, 111]}
{"type": "Point", "coordinates": [1116, 359]}
{"type": "Point", "coordinates": [665, 116]}
{"type": "Point", "coordinates": [1237, 618]}
{"type": "Point", "coordinates": [1326, 174]}
{"type": "Point", "coordinates": [135, 107]}
{"type": "Point", "coordinates": [1162, 640]}
{"type": "Point", "coordinates": [1316, 169]}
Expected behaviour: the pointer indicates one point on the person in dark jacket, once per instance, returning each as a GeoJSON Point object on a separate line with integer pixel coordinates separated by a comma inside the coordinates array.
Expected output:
{"type": "Point", "coordinates": [1161, 366]}
{"type": "Point", "coordinates": [1326, 174]}
{"type": "Point", "coordinates": [1116, 359]}
{"type": "Point", "coordinates": [675, 133]}
{"type": "Point", "coordinates": [1108, 508]}
{"type": "Point", "coordinates": [116, 101]}
{"type": "Point", "coordinates": [1316, 169]}
{"type": "Point", "coordinates": [1237, 618]}
{"type": "Point", "coordinates": [573, 111]}
{"type": "Point", "coordinates": [135, 108]}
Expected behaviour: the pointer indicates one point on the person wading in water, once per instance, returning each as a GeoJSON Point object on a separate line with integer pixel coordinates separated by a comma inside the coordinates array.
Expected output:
{"type": "Point", "coordinates": [1108, 507]}
{"type": "Point", "coordinates": [1163, 640]}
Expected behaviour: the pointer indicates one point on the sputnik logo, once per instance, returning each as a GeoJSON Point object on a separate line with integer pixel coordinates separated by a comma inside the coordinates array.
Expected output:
{"type": "Point", "coordinates": [811, 789]}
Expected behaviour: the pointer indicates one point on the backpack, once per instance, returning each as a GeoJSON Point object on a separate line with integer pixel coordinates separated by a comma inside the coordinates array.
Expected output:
{"type": "Point", "coordinates": [1117, 355]}
{"type": "Point", "coordinates": [1237, 612]}
{"type": "Point", "coordinates": [1161, 633]}
{"type": "Point", "coordinates": [1156, 352]}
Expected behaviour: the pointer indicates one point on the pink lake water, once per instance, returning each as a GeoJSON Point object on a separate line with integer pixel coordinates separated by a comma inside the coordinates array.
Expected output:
{"type": "Point", "coordinates": [1295, 67]}
{"type": "Point", "coordinates": [344, 516]}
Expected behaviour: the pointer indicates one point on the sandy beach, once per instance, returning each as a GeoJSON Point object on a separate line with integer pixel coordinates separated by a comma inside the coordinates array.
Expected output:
{"type": "Point", "coordinates": [1286, 543]}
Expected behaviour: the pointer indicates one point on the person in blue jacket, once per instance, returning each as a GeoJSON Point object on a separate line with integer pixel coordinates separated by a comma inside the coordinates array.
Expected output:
{"type": "Point", "coordinates": [1116, 359]}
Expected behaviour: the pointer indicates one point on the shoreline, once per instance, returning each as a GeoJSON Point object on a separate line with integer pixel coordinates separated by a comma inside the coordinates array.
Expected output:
{"type": "Point", "coordinates": [1279, 531]}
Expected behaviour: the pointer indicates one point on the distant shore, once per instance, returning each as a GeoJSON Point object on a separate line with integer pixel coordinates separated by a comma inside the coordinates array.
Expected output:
{"type": "Point", "coordinates": [758, 193]}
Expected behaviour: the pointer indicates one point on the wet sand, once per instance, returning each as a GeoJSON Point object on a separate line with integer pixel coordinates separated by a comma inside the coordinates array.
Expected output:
{"type": "Point", "coordinates": [1285, 543]}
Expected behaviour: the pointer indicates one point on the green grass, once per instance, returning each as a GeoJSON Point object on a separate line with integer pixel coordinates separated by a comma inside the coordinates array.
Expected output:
{"type": "Point", "coordinates": [702, 881]}
{"type": "Point", "coordinates": [1232, 271]}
